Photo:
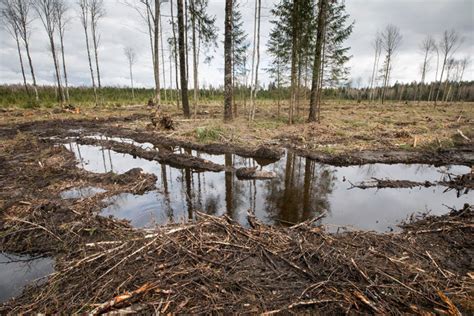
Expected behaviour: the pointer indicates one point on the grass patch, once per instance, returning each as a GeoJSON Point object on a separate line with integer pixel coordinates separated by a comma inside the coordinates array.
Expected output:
{"type": "Point", "coordinates": [208, 134]}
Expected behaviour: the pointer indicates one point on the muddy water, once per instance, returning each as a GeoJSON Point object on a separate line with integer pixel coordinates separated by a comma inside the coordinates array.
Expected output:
{"type": "Point", "coordinates": [303, 189]}
{"type": "Point", "coordinates": [18, 271]}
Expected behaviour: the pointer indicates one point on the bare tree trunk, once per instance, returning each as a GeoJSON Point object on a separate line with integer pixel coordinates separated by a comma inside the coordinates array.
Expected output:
{"type": "Point", "coordinates": [30, 62]}
{"type": "Point", "coordinates": [313, 103]}
{"type": "Point", "coordinates": [163, 60]}
{"type": "Point", "coordinates": [156, 41]}
{"type": "Point", "coordinates": [258, 59]}
{"type": "Point", "coordinates": [186, 38]}
{"type": "Point", "coordinates": [56, 68]}
{"type": "Point", "coordinates": [96, 53]}
{"type": "Point", "coordinates": [433, 84]}
{"type": "Point", "coordinates": [252, 74]}
{"type": "Point", "coordinates": [175, 55]}
{"type": "Point", "coordinates": [21, 62]}
{"type": "Point", "coordinates": [182, 61]}
{"type": "Point", "coordinates": [150, 23]}
{"type": "Point", "coordinates": [61, 37]}
{"type": "Point", "coordinates": [228, 61]}
{"type": "Point", "coordinates": [84, 21]}
{"type": "Point", "coordinates": [195, 62]}
{"type": "Point", "coordinates": [294, 61]}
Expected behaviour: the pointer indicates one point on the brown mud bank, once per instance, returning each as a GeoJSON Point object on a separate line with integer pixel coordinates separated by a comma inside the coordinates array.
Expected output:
{"type": "Point", "coordinates": [215, 264]}
{"type": "Point", "coordinates": [462, 154]}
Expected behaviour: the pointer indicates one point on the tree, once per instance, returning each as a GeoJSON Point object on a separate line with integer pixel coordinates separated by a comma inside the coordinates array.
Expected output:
{"type": "Point", "coordinates": [182, 60]}
{"type": "Point", "coordinates": [448, 46]}
{"type": "Point", "coordinates": [279, 45]}
{"type": "Point", "coordinates": [131, 58]}
{"type": "Point", "coordinates": [11, 26]}
{"type": "Point", "coordinates": [203, 36]}
{"type": "Point", "coordinates": [174, 50]}
{"type": "Point", "coordinates": [255, 58]}
{"type": "Point", "coordinates": [97, 12]}
{"type": "Point", "coordinates": [377, 45]}
{"type": "Point", "coordinates": [228, 61]}
{"type": "Point", "coordinates": [335, 54]}
{"type": "Point", "coordinates": [391, 40]}
{"type": "Point", "coordinates": [240, 46]}
{"type": "Point", "coordinates": [48, 15]}
{"type": "Point", "coordinates": [84, 17]}
{"type": "Point", "coordinates": [315, 86]}
{"type": "Point", "coordinates": [21, 10]}
{"type": "Point", "coordinates": [427, 47]}
{"type": "Point", "coordinates": [61, 9]}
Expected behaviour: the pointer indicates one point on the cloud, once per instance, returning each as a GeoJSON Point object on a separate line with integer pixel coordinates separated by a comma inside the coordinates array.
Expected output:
{"type": "Point", "coordinates": [122, 27]}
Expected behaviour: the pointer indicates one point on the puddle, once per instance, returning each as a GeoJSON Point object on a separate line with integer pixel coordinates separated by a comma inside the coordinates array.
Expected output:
{"type": "Point", "coordinates": [80, 193]}
{"type": "Point", "coordinates": [18, 271]}
{"type": "Point", "coordinates": [302, 190]}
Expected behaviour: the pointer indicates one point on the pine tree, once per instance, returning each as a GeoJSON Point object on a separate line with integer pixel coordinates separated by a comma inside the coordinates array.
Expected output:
{"type": "Point", "coordinates": [336, 55]}
{"type": "Point", "coordinates": [240, 46]}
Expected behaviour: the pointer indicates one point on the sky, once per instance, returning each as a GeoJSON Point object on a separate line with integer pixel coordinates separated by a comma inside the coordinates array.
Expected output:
{"type": "Point", "coordinates": [122, 27]}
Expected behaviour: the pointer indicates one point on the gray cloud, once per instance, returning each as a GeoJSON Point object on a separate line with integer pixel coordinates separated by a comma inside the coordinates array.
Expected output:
{"type": "Point", "coordinates": [122, 27]}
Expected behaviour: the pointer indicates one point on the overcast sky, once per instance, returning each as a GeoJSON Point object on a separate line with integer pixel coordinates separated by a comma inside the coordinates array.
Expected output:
{"type": "Point", "coordinates": [122, 27]}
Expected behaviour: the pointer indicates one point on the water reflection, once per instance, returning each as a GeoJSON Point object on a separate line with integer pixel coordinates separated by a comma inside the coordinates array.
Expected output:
{"type": "Point", "coordinates": [19, 271]}
{"type": "Point", "coordinates": [302, 190]}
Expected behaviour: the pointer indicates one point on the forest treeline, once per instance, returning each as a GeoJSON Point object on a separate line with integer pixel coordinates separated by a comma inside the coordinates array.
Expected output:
{"type": "Point", "coordinates": [307, 46]}
{"type": "Point", "coordinates": [14, 95]}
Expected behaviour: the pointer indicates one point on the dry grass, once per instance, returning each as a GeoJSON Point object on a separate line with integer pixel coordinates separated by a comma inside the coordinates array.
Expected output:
{"type": "Point", "coordinates": [344, 125]}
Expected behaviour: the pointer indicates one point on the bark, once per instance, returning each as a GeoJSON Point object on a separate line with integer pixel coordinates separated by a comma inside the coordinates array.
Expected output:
{"type": "Point", "coordinates": [156, 41]}
{"type": "Point", "coordinates": [150, 35]}
{"type": "Point", "coordinates": [182, 60]}
{"type": "Point", "coordinates": [294, 60]}
{"type": "Point", "coordinates": [84, 21]}
{"type": "Point", "coordinates": [195, 61]}
{"type": "Point", "coordinates": [313, 103]}
{"type": "Point", "coordinates": [96, 53]}
{"type": "Point", "coordinates": [255, 90]}
{"type": "Point", "coordinates": [21, 62]}
{"type": "Point", "coordinates": [228, 61]}
{"type": "Point", "coordinates": [25, 38]}
{"type": "Point", "coordinates": [61, 38]}
{"type": "Point", "coordinates": [163, 59]}
{"type": "Point", "coordinates": [175, 55]}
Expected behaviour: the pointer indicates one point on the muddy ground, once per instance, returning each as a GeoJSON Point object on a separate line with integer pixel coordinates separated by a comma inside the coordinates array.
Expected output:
{"type": "Point", "coordinates": [213, 264]}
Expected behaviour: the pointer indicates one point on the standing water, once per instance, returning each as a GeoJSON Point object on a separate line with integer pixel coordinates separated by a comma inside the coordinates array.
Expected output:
{"type": "Point", "coordinates": [302, 190]}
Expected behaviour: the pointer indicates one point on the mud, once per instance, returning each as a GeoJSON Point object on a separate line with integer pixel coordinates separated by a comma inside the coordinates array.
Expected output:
{"type": "Point", "coordinates": [103, 264]}
{"type": "Point", "coordinates": [117, 126]}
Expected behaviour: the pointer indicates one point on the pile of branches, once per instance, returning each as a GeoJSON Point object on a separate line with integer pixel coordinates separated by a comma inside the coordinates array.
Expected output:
{"type": "Point", "coordinates": [214, 265]}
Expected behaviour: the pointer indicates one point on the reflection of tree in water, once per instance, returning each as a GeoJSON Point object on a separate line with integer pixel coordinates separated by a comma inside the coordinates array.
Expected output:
{"type": "Point", "coordinates": [300, 192]}
{"type": "Point", "coordinates": [234, 188]}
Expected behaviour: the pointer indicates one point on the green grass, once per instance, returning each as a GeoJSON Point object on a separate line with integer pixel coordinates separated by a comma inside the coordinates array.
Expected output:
{"type": "Point", "coordinates": [208, 134]}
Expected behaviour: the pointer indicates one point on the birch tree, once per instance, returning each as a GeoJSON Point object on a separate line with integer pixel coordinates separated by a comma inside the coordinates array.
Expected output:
{"type": "Point", "coordinates": [174, 50]}
{"type": "Point", "coordinates": [426, 47]}
{"type": "Point", "coordinates": [61, 10]}
{"type": "Point", "coordinates": [255, 59]}
{"type": "Point", "coordinates": [447, 46]}
{"type": "Point", "coordinates": [10, 24]}
{"type": "Point", "coordinates": [97, 12]}
{"type": "Point", "coordinates": [391, 40]}
{"type": "Point", "coordinates": [47, 13]}
{"type": "Point", "coordinates": [23, 17]}
{"type": "Point", "coordinates": [377, 45]}
{"type": "Point", "coordinates": [131, 58]}
{"type": "Point", "coordinates": [84, 17]}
